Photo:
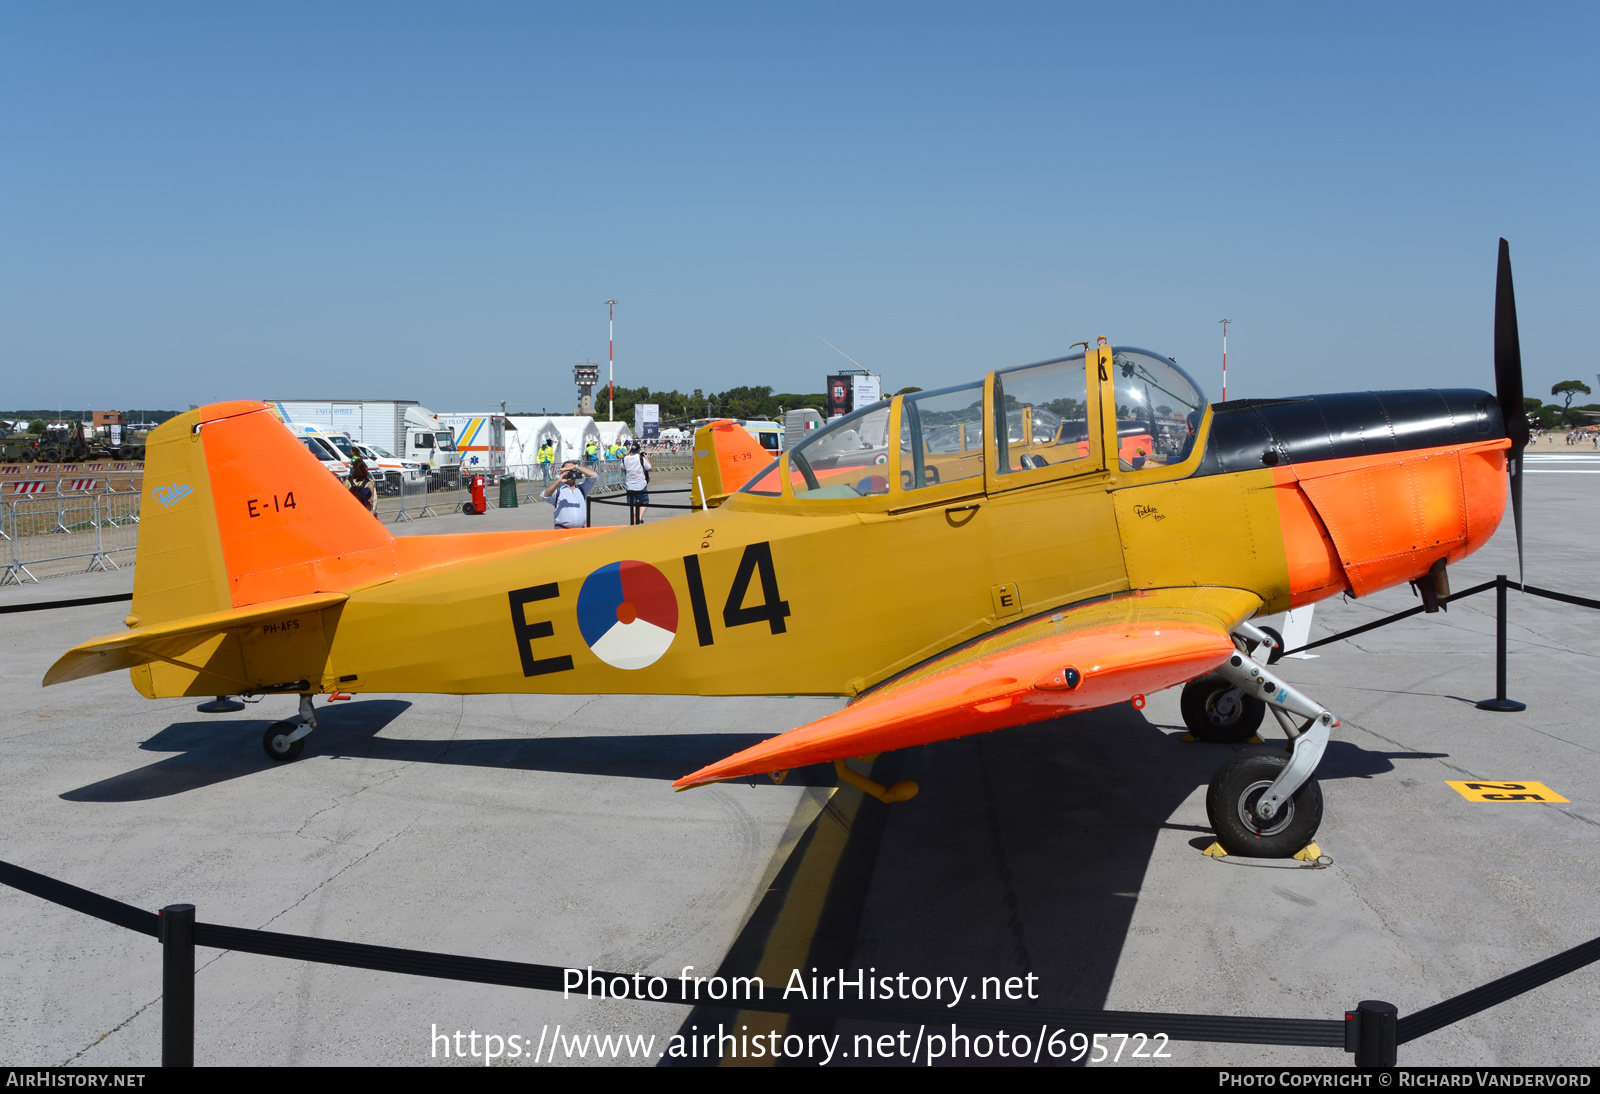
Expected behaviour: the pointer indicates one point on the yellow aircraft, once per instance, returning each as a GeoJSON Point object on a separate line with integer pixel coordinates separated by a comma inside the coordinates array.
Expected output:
{"type": "Point", "coordinates": [1054, 537]}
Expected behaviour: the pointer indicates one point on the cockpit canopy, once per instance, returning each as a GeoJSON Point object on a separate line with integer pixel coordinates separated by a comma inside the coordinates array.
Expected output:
{"type": "Point", "coordinates": [1041, 419]}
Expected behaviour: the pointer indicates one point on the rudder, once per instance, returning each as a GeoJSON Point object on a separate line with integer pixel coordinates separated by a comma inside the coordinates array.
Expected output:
{"type": "Point", "coordinates": [239, 513]}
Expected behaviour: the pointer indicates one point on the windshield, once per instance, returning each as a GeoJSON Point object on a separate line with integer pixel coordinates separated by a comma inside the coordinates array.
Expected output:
{"type": "Point", "coordinates": [847, 458]}
{"type": "Point", "coordinates": [341, 443]}
{"type": "Point", "coordinates": [321, 451]}
{"type": "Point", "coordinates": [1159, 407]}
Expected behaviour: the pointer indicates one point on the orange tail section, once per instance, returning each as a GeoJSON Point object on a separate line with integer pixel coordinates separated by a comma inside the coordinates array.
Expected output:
{"type": "Point", "coordinates": [248, 547]}
{"type": "Point", "coordinates": [725, 458]}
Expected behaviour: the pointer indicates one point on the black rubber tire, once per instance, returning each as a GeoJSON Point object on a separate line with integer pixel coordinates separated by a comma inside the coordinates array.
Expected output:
{"type": "Point", "coordinates": [1198, 701]}
{"type": "Point", "coordinates": [1234, 789]}
{"type": "Point", "coordinates": [276, 750]}
{"type": "Point", "coordinates": [1277, 651]}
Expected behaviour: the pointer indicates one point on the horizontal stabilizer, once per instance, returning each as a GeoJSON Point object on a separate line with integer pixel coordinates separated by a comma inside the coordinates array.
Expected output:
{"type": "Point", "coordinates": [1090, 657]}
{"type": "Point", "coordinates": [162, 641]}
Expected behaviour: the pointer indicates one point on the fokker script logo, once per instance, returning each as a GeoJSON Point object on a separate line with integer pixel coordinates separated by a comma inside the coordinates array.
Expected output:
{"type": "Point", "coordinates": [171, 495]}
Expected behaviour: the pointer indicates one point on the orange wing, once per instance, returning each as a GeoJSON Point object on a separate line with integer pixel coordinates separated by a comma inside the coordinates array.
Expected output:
{"type": "Point", "coordinates": [1117, 649]}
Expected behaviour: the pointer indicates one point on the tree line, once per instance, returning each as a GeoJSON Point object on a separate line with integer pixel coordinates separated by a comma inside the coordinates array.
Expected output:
{"type": "Point", "coordinates": [736, 402]}
{"type": "Point", "coordinates": [1551, 416]}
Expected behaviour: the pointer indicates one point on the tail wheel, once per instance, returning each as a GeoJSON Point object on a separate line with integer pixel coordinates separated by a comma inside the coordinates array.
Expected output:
{"type": "Point", "coordinates": [276, 742]}
{"type": "Point", "coordinates": [1231, 799]}
{"type": "Point", "coordinates": [1217, 712]}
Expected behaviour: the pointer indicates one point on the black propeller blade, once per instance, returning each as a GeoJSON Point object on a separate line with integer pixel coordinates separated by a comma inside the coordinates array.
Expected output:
{"type": "Point", "coordinates": [1508, 386]}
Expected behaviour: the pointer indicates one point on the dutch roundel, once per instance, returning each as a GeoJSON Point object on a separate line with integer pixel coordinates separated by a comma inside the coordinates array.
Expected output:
{"type": "Point", "coordinates": [628, 614]}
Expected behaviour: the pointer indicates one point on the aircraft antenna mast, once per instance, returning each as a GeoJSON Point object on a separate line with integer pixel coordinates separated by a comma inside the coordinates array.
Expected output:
{"type": "Point", "coordinates": [1225, 323]}
{"type": "Point", "coordinates": [611, 358]}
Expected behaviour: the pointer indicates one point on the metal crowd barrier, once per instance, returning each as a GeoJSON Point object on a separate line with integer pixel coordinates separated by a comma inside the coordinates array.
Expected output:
{"type": "Point", "coordinates": [80, 519]}
{"type": "Point", "coordinates": [1500, 584]}
{"type": "Point", "coordinates": [1372, 1031]}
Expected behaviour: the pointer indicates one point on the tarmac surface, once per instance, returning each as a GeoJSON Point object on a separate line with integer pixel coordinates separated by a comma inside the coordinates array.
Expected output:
{"type": "Point", "coordinates": [543, 829]}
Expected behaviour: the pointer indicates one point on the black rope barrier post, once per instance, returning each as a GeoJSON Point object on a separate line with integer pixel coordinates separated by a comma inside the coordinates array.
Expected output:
{"type": "Point", "coordinates": [1500, 702]}
{"type": "Point", "coordinates": [1375, 1039]}
{"type": "Point", "coordinates": [177, 985]}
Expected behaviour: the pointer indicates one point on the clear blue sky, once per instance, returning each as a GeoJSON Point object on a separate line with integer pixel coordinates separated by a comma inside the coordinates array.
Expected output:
{"type": "Point", "coordinates": [433, 201]}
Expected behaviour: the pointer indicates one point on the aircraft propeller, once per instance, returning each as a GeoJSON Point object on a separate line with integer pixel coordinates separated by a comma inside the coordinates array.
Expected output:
{"type": "Point", "coordinates": [1508, 386]}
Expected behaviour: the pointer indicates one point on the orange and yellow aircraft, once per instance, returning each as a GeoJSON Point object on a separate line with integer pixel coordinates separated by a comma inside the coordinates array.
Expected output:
{"type": "Point", "coordinates": [1054, 537]}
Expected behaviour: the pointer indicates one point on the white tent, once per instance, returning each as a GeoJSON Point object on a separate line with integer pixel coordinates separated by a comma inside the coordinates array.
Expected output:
{"type": "Point", "coordinates": [522, 447]}
{"type": "Point", "coordinates": [612, 432]}
{"type": "Point", "coordinates": [576, 433]}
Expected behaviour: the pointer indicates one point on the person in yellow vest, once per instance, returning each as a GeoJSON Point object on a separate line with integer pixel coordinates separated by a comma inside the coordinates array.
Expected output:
{"type": "Point", "coordinates": [547, 460]}
{"type": "Point", "coordinates": [590, 451]}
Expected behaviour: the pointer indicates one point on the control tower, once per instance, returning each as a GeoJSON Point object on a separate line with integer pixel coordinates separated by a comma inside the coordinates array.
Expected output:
{"type": "Point", "coordinates": [586, 374]}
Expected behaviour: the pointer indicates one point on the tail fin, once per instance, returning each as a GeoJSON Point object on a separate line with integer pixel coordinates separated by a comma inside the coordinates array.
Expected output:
{"type": "Point", "coordinates": [248, 548]}
{"type": "Point", "coordinates": [726, 457]}
{"type": "Point", "coordinates": [239, 513]}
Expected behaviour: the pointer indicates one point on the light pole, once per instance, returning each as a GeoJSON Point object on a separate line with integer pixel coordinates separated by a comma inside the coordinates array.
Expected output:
{"type": "Point", "coordinates": [611, 357]}
{"type": "Point", "coordinates": [1225, 323]}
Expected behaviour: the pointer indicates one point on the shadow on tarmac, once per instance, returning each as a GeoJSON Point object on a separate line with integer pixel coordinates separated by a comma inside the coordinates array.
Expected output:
{"type": "Point", "coordinates": [219, 750]}
{"type": "Point", "coordinates": [1024, 852]}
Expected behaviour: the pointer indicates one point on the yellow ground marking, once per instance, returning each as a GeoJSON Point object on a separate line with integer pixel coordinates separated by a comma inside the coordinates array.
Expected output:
{"type": "Point", "coordinates": [1506, 792]}
{"type": "Point", "coordinates": [789, 942]}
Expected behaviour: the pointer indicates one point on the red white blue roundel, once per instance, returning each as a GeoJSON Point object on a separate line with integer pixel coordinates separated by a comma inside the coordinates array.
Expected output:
{"type": "Point", "coordinates": [628, 614]}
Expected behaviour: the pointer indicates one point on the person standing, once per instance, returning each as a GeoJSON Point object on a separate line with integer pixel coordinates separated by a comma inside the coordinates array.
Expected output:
{"type": "Point", "coordinates": [636, 481]}
{"type": "Point", "coordinates": [590, 451]}
{"type": "Point", "coordinates": [547, 460]}
{"type": "Point", "coordinates": [362, 487]}
{"type": "Point", "coordinates": [569, 495]}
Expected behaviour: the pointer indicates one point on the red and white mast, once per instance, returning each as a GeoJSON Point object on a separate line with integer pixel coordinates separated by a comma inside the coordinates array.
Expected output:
{"type": "Point", "coordinates": [1225, 323]}
{"type": "Point", "coordinates": [611, 357]}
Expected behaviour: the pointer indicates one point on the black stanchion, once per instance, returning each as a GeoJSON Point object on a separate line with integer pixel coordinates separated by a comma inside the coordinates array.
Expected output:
{"type": "Point", "coordinates": [1377, 1044]}
{"type": "Point", "coordinates": [1500, 702]}
{"type": "Point", "coordinates": [177, 985]}
{"type": "Point", "coordinates": [1373, 1031]}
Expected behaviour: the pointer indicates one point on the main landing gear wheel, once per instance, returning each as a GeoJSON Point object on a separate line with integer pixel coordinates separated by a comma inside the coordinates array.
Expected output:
{"type": "Point", "coordinates": [1219, 713]}
{"type": "Point", "coordinates": [276, 741]}
{"type": "Point", "coordinates": [1277, 651]}
{"type": "Point", "coordinates": [1231, 799]}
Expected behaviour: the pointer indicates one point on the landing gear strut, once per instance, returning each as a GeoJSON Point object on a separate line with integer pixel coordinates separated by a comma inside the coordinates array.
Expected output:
{"type": "Point", "coordinates": [284, 741]}
{"type": "Point", "coordinates": [1265, 802]}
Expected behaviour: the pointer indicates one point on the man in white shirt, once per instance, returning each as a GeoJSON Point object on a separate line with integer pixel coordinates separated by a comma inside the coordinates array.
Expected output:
{"type": "Point", "coordinates": [569, 495]}
{"type": "Point", "coordinates": [636, 481]}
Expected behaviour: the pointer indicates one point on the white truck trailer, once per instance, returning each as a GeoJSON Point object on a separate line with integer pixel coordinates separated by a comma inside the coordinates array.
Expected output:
{"type": "Point", "coordinates": [403, 427]}
{"type": "Point", "coordinates": [480, 441]}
